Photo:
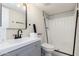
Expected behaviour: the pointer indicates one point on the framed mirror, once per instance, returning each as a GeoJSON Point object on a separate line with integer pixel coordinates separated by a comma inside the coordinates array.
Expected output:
{"type": "Point", "coordinates": [16, 14]}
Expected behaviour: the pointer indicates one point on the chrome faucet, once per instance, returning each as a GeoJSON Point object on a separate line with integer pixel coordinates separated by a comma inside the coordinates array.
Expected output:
{"type": "Point", "coordinates": [18, 35]}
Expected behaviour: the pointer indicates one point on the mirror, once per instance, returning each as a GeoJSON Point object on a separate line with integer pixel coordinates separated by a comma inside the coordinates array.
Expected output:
{"type": "Point", "coordinates": [17, 15]}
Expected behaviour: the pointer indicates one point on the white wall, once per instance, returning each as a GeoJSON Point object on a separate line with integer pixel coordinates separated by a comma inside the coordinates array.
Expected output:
{"type": "Point", "coordinates": [34, 16]}
{"type": "Point", "coordinates": [61, 31]}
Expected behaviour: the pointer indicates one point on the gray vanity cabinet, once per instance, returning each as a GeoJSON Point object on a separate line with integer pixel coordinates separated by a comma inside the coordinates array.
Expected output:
{"type": "Point", "coordinates": [33, 49]}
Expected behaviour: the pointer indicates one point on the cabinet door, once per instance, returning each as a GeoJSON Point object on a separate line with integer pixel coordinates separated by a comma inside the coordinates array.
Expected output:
{"type": "Point", "coordinates": [33, 49]}
{"type": "Point", "coordinates": [36, 51]}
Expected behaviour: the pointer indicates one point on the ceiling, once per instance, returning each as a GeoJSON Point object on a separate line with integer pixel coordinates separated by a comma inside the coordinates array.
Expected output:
{"type": "Point", "coordinates": [54, 8]}
{"type": "Point", "coordinates": [49, 8]}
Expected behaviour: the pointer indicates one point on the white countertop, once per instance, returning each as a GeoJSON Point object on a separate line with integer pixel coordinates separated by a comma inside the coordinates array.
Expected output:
{"type": "Point", "coordinates": [11, 45]}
